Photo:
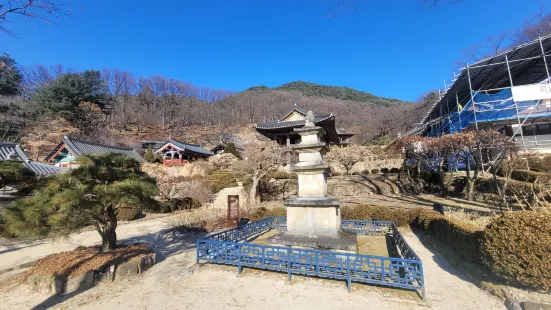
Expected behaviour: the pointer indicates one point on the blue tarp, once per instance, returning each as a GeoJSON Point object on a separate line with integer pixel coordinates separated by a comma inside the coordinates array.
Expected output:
{"type": "Point", "coordinates": [489, 107]}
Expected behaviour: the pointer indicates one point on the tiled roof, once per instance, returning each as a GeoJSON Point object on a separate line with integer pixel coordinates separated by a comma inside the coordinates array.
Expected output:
{"type": "Point", "coordinates": [295, 108]}
{"type": "Point", "coordinates": [43, 169]}
{"type": "Point", "coordinates": [12, 151]}
{"type": "Point", "coordinates": [344, 132]}
{"type": "Point", "coordinates": [222, 145]}
{"type": "Point", "coordinates": [195, 148]}
{"type": "Point", "coordinates": [292, 124]}
{"type": "Point", "coordinates": [80, 147]}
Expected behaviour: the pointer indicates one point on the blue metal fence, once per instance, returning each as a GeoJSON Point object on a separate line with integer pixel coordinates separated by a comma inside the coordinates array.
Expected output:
{"type": "Point", "coordinates": [230, 248]}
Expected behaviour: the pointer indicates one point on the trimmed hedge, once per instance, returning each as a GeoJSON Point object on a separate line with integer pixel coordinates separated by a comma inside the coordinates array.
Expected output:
{"type": "Point", "coordinates": [517, 246]}
{"type": "Point", "coordinates": [487, 186]}
{"type": "Point", "coordinates": [461, 236]}
{"type": "Point", "coordinates": [378, 213]}
{"type": "Point", "coordinates": [281, 175]}
{"type": "Point", "coordinates": [128, 214]}
{"type": "Point", "coordinates": [540, 164]}
{"type": "Point", "coordinates": [221, 179]}
{"type": "Point", "coordinates": [531, 176]}
{"type": "Point", "coordinates": [263, 212]}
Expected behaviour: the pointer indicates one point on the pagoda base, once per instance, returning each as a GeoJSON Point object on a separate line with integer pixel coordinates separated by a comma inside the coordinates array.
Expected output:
{"type": "Point", "coordinates": [342, 242]}
{"type": "Point", "coordinates": [314, 217]}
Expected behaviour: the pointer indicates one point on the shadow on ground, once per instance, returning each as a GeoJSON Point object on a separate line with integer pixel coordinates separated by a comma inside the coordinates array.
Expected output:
{"type": "Point", "coordinates": [165, 243]}
{"type": "Point", "coordinates": [452, 262]}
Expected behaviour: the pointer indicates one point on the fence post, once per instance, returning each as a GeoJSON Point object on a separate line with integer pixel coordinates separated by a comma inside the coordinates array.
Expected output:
{"type": "Point", "coordinates": [263, 253]}
{"type": "Point", "coordinates": [197, 251]}
{"type": "Point", "coordinates": [289, 264]}
{"type": "Point", "coordinates": [239, 267]}
{"type": "Point", "coordinates": [349, 273]}
{"type": "Point", "coordinates": [423, 292]}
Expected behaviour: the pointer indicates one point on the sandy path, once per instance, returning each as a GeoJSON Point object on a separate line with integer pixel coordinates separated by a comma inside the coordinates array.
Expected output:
{"type": "Point", "coordinates": [16, 253]}
{"type": "Point", "coordinates": [169, 285]}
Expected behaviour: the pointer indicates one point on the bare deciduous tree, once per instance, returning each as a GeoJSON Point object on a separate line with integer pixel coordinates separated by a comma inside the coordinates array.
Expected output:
{"type": "Point", "coordinates": [40, 11]}
{"type": "Point", "coordinates": [491, 47]}
{"type": "Point", "coordinates": [346, 157]}
{"type": "Point", "coordinates": [259, 159]}
{"type": "Point", "coordinates": [537, 26]}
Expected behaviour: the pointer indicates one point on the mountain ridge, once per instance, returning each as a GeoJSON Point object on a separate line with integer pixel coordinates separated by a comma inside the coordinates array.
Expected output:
{"type": "Point", "coordinates": [310, 89]}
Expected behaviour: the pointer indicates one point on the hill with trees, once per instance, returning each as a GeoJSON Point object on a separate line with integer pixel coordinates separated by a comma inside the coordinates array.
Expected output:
{"type": "Point", "coordinates": [337, 92]}
{"type": "Point", "coordinates": [38, 105]}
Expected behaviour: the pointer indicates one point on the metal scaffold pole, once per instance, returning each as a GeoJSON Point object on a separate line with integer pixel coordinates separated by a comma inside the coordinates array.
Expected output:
{"type": "Point", "coordinates": [544, 61]}
{"type": "Point", "coordinates": [458, 112]}
{"type": "Point", "coordinates": [472, 97]}
{"type": "Point", "coordinates": [516, 105]}
{"type": "Point", "coordinates": [535, 136]}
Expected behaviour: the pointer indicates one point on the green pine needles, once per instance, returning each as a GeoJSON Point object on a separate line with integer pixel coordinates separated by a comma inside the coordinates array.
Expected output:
{"type": "Point", "coordinates": [91, 194]}
{"type": "Point", "coordinates": [232, 149]}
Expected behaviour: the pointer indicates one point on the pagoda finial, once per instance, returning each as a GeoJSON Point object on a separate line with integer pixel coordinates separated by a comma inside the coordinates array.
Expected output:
{"type": "Point", "coordinates": [310, 119]}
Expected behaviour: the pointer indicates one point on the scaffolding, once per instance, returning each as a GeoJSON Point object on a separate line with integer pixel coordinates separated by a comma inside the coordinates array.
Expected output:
{"type": "Point", "coordinates": [510, 92]}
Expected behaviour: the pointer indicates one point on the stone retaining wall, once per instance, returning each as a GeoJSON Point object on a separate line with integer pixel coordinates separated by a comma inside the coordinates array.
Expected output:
{"type": "Point", "coordinates": [55, 285]}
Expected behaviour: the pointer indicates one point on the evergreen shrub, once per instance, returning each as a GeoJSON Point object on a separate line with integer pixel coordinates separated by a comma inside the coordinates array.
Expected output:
{"type": "Point", "coordinates": [263, 212]}
{"type": "Point", "coordinates": [531, 176]}
{"type": "Point", "coordinates": [281, 175]}
{"type": "Point", "coordinates": [220, 179]}
{"type": "Point", "coordinates": [128, 213]}
{"type": "Point", "coordinates": [377, 213]}
{"type": "Point", "coordinates": [464, 237]}
{"type": "Point", "coordinates": [517, 246]}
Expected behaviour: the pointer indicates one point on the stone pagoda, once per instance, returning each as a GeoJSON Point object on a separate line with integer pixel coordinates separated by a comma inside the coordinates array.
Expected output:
{"type": "Point", "coordinates": [313, 219]}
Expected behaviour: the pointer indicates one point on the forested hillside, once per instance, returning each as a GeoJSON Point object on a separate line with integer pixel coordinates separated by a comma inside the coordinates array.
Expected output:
{"type": "Point", "coordinates": [337, 92]}
{"type": "Point", "coordinates": [38, 105]}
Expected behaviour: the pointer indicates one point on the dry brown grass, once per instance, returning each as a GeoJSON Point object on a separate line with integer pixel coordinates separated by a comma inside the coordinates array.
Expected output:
{"type": "Point", "coordinates": [84, 259]}
{"type": "Point", "coordinates": [372, 245]}
{"type": "Point", "coordinates": [475, 219]}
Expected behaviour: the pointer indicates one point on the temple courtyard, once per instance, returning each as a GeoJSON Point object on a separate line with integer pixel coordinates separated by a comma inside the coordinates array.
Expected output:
{"type": "Point", "coordinates": [176, 282]}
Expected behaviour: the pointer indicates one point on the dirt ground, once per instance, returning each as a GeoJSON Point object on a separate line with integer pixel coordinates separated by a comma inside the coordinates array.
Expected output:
{"type": "Point", "coordinates": [177, 283]}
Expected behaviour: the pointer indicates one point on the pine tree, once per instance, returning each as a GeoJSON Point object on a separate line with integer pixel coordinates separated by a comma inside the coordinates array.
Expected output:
{"type": "Point", "coordinates": [231, 149]}
{"type": "Point", "coordinates": [13, 172]}
{"type": "Point", "coordinates": [91, 194]}
{"type": "Point", "coordinates": [10, 77]}
{"type": "Point", "coordinates": [65, 93]}
{"type": "Point", "coordinates": [148, 155]}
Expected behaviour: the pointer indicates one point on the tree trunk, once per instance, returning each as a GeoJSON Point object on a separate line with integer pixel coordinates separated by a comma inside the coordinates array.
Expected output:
{"type": "Point", "coordinates": [470, 183]}
{"type": "Point", "coordinates": [443, 187]}
{"type": "Point", "coordinates": [470, 189]}
{"type": "Point", "coordinates": [108, 233]}
{"type": "Point", "coordinates": [254, 188]}
{"type": "Point", "coordinates": [499, 191]}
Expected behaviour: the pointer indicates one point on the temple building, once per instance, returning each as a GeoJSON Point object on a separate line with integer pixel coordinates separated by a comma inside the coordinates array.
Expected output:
{"type": "Point", "coordinates": [66, 152]}
{"type": "Point", "coordinates": [177, 153]}
{"type": "Point", "coordinates": [282, 130]}
{"type": "Point", "coordinates": [12, 152]}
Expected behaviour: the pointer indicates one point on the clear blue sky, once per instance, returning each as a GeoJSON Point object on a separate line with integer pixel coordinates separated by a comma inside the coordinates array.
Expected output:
{"type": "Point", "coordinates": [388, 48]}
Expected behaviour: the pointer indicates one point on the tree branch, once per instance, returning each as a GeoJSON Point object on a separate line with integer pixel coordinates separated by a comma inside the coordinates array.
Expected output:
{"type": "Point", "coordinates": [37, 10]}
